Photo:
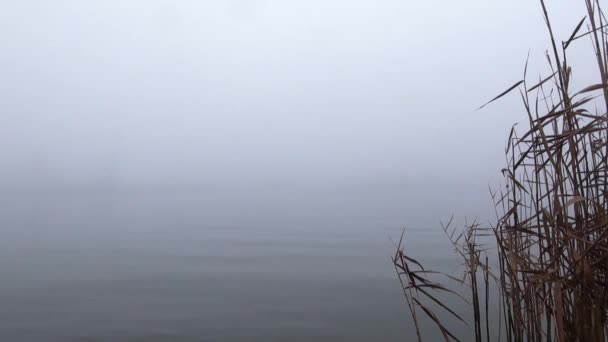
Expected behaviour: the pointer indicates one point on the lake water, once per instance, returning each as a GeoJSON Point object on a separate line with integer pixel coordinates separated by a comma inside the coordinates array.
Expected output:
{"type": "Point", "coordinates": [236, 264]}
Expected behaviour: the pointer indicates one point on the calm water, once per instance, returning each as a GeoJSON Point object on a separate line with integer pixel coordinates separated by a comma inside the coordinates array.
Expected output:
{"type": "Point", "coordinates": [204, 265]}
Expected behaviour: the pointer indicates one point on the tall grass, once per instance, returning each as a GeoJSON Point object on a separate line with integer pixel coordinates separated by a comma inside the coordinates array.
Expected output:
{"type": "Point", "coordinates": [550, 267]}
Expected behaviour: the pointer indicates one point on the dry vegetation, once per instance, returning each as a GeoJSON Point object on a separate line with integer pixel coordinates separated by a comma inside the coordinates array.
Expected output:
{"type": "Point", "coordinates": [550, 261]}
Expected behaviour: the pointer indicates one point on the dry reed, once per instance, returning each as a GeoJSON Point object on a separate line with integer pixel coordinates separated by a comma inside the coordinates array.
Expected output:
{"type": "Point", "coordinates": [551, 233]}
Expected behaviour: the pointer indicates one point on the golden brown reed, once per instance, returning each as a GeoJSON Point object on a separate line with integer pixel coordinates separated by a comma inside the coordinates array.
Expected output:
{"type": "Point", "coordinates": [551, 232]}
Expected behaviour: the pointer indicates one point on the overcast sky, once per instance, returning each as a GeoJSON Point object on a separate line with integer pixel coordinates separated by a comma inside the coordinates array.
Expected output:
{"type": "Point", "coordinates": [314, 91]}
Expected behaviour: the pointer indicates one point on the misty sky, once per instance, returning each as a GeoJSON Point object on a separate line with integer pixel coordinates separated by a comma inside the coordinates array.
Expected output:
{"type": "Point", "coordinates": [315, 91]}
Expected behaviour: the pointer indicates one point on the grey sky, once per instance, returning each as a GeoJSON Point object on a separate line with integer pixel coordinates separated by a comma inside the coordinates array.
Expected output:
{"type": "Point", "coordinates": [311, 91]}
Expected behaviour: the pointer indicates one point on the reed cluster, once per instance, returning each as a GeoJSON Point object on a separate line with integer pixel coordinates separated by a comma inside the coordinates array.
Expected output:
{"type": "Point", "coordinates": [549, 266]}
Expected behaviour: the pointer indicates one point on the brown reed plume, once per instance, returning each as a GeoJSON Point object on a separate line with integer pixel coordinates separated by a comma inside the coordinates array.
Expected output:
{"type": "Point", "coordinates": [551, 235]}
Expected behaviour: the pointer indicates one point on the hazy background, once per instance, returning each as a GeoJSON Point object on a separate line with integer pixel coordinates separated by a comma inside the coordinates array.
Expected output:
{"type": "Point", "coordinates": [221, 170]}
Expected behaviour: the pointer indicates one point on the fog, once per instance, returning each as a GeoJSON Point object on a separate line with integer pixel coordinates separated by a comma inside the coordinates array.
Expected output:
{"type": "Point", "coordinates": [261, 91]}
{"type": "Point", "coordinates": [339, 115]}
